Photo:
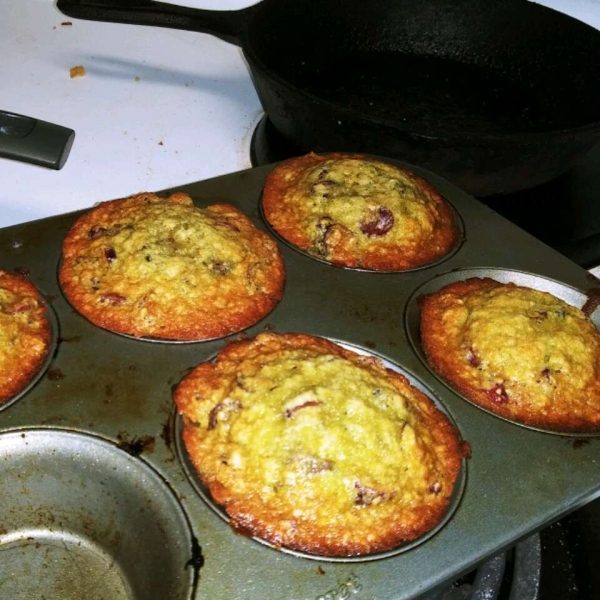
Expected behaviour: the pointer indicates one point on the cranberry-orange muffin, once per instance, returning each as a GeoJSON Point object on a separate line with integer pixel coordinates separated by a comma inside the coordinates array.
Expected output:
{"type": "Point", "coordinates": [25, 334]}
{"type": "Point", "coordinates": [163, 268]}
{"type": "Point", "coordinates": [316, 448]}
{"type": "Point", "coordinates": [517, 352]}
{"type": "Point", "coordinates": [359, 212]}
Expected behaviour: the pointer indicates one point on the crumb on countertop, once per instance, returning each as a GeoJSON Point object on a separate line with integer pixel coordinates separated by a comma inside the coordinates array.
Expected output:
{"type": "Point", "coordinates": [78, 71]}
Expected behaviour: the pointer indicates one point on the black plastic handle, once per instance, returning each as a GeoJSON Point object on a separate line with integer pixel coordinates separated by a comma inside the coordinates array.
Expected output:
{"type": "Point", "coordinates": [33, 141]}
{"type": "Point", "coordinates": [230, 25]}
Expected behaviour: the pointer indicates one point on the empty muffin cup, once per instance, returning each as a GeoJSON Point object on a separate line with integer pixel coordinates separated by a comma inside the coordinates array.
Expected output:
{"type": "Point", "coordinates": [86, 519]}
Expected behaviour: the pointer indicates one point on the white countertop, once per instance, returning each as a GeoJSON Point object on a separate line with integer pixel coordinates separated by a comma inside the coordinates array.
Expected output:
{"type": "Point", "coordinates": [157, 108]}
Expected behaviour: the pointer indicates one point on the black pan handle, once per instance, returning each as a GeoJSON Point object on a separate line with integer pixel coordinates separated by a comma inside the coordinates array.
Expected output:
{"type": "Point", "coordinates": [230, 25]}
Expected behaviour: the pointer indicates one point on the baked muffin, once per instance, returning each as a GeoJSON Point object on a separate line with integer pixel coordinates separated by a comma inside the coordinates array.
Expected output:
{"type": "Point", "coordinates": [316, 448]}
{"type": "Point", "coordinates": [25, 335]}
{"type": "Point", "coordinates": [358, 212]}
{"type": "Point", "coordinates": [163, 268]}
{"type": "Point", "coordinates": [519, 353]}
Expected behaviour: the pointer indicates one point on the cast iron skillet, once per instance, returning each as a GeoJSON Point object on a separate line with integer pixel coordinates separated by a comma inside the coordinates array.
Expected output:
{"type": "Point", "coordinates": [495, 96]}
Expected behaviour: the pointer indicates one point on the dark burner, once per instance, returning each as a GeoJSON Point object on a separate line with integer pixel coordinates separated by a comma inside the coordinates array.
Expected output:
{"type": "Point", "coordinates": [564, 213]}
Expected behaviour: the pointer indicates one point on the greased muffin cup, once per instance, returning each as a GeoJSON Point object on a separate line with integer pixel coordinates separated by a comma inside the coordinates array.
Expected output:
{"type": "Point", "coordinates": [117, 391]}
{"type": "Point", "coordinates": [103, 519]}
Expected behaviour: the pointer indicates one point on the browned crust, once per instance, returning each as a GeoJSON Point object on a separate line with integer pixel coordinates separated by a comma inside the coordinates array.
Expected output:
{"type": "Point", "coordinates": [175, 310]}
{"type": "Point", "coordinates": [24, 319]}
{"type": "Point", "coordinates": [566, 408]}
{"type": "Point", "coordinates": [347, 532]}
{"type": "Point", "coordinates": [282, 201]}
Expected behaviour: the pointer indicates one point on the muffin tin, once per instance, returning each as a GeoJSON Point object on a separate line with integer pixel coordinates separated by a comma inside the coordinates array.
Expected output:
{"type": "Point", "coordinates": [96, 438]}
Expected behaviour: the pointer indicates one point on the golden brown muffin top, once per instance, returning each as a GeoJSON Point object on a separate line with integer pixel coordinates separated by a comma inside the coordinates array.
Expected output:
{"type": "Point", "coordinates": [25, 334]}
{"type": "Point", "coordinates": [355, 211]}
{"type": "Point", "coordinates": [317, 448]}
{"type": "Point", "coordinates": [519, 352]}
{"type": "Point", "coordinates": [164, 268]}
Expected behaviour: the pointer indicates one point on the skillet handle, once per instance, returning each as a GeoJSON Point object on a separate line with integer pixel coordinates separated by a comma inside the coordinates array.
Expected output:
{"type": "Point", "coordinates": [230, 26]}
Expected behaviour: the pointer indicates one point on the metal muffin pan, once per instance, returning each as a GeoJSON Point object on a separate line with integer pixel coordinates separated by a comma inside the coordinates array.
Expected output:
{"type": "Point", "coordinates": [85, 517]}
{"type": "Point", "coordinates": [120, 389]}
{"type": "Point", "coordinates": [457, 492]}
{"type": "Point", "coordinates": [567, 293]}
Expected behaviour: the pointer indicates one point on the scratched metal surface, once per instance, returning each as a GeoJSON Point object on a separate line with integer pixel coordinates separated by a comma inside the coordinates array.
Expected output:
{"type": "Point", "coordinates": [86, 519]}
{"type": "Point", "coordinates": [119, 389]}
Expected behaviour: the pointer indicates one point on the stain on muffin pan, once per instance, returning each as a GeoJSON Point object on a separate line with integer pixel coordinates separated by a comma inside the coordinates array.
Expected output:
{"type": "Point", "coordinates": [586, 302]}
{"type": "Point", "coordinates": [85, 519]}
{"type": "Point", "coordinates": [118, 390]}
